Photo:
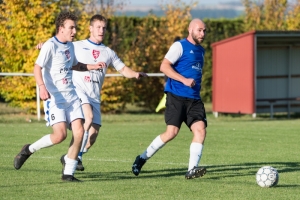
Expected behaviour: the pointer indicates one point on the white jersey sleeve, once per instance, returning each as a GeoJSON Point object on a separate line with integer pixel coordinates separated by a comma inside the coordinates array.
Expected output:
{"type": "Point", "coordinates": [45, 54]}
{"type": "Point", "coordinates": [175, 52]}
{"type": "Point", "coordinates": [115, 60]}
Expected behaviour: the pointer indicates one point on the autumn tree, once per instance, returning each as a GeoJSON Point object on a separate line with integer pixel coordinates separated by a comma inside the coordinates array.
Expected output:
{"type": "Point", "coordinates": [153, 37]}
{"type": "Point", "coordinates": [107, 8]}
{"type": "Point", "coordinates": [265, 15]}
{"type": "Point", "coordinates": [293, 17]}
{"type": "Point", "coordinates": [23, 25]}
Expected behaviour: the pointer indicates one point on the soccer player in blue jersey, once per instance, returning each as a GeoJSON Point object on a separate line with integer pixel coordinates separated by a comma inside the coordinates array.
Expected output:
{"type": "Point", "coordinates": [183, 65]}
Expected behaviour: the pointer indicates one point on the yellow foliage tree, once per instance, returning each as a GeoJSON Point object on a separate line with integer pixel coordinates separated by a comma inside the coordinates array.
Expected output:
{"type": "Point", "coordinates": [23, 25]}
{"type": "Point", "coordinates": [266, 15]}
{"type": "Point", "coordinates": [293, 17]}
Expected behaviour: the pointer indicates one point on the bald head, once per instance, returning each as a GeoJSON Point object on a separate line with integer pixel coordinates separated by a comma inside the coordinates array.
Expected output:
{"type": "Point", "coordinates": [197, 31]}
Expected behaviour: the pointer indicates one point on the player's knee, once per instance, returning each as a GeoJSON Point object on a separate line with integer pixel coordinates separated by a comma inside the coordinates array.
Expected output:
{"type": "Point", "coordinates": [169, 135]}
{"type": "Point", "coordinates": [58, 138]}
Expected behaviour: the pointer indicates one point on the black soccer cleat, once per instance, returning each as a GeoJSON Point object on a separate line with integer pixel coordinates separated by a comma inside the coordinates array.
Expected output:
{"type": "Point", "coordinates": [69, 178]}
{"type": "Point", "coordinates": [79, 166]}
{"type": "Point", "coordinates": [22, 156]}
{"type": "Point", "coordinates": [196, 172]}
{"type": "Point", "coordinates": [137, 165]}
{"type": "Point", "coordinates": [63, 162]}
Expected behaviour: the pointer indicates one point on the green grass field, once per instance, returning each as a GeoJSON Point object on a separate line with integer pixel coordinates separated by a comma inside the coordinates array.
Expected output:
{"type": "Point", "coordinates": [235, 148]}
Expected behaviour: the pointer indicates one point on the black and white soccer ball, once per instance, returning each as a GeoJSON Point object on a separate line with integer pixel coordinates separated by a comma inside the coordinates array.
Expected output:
{"type": "Point", "coordinates": [267, 176]}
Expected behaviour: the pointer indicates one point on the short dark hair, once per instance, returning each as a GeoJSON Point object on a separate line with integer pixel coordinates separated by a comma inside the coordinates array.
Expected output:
{"type": "Point", "coordinates": [62, 17]}
{"type": "Point", "coordinates": [97, 17]}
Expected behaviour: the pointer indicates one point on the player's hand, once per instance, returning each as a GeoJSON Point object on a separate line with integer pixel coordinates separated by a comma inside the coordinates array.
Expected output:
{"type": "Point", "coordinates": [140, 74]}
{"type": "Point", "coordinates": [39, 46]}
{"type": "Point", "coordinates": [99, 65]}
{"type": "Point", "coordinates": [190, 82]}
{"type": "Point", "coordinates": [44, 94]}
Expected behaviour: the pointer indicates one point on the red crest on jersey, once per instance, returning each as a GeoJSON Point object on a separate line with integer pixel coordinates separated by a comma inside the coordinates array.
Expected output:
{"type": "Point", "coordinates": [96, 54]}
{"type": "Point", "coordinates": [87, 79]}
{"type": "Point", "coordinates": [65, 81]}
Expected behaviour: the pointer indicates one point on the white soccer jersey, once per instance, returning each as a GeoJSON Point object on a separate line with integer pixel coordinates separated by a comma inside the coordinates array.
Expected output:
{"type": "Point", "coordinates": [57, 59]}
{"type": "Point", "coordinates": [90, 82]}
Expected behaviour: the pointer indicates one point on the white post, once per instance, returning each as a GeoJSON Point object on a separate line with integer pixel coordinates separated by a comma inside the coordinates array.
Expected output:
{"type": "Point", "coordinates": [38, 109]}
{"type": "Point", "coordinates": [216, 114]}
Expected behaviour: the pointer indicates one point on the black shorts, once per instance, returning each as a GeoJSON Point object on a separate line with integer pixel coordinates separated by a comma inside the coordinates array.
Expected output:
{"type": "Point", "coordinates": [181, 109]}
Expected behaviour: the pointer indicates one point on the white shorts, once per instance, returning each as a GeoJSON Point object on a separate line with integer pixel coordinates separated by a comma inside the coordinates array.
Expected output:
{"type": "Point", "coordinates": [84, 99]}
{"type": "Point", "coordinates": [62, 112]}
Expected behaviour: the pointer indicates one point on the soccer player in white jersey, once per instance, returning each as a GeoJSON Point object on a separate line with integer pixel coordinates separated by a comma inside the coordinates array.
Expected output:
{"type": "Point", "coordinates": [182, 65]}
{"type": "Point", "coordinates": [89, 83]}
{"type": "Point", "coordinates": [56, 59]}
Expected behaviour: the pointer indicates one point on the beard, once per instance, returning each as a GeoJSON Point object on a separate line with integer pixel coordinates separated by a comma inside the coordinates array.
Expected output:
{"type": "Point", "coordinates": [197, 40]}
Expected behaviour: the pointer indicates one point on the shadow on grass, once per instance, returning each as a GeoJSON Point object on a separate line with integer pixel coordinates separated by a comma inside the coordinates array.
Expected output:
{"type": "Point", "coordinates": [214, 172]}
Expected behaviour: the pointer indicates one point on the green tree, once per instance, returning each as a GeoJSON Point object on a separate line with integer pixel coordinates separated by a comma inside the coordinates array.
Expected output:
{"type": "Point", "coordinates": [153, 37]}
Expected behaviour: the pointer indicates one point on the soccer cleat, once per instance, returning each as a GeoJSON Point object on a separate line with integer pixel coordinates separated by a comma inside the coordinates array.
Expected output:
{"type": "Point", "coordinates": [79, 166]}
{"type": "Point", "coordinates": [22, 156]}
{"type": "Point", "coordinates": [196, 172]}
{"type": "Point", "coordinates": [69, 178]}
{"type": "Point", "coordinates": [137, 165]}
{"type": "Point", "coordinates": [63, 162]}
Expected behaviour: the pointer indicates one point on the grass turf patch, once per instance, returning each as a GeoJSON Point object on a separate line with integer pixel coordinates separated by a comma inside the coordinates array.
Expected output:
{"type": "Point", "coordinates": [235, 148]}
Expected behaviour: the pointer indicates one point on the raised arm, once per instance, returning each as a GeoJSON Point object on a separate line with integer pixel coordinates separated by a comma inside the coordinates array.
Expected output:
{"type": "Point", "coordinates": [85, 67]}
{"type": "Point", "coordinates": [129, 73]}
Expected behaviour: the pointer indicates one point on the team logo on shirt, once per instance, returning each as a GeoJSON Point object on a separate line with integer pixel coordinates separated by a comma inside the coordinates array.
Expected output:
{"type": "Point", "coordinates": [87, 79]}
{"type": "Point", "coordinates": [68, 54]}
{"type": "Point", "coordinates": [96, 53]}
{"type": "Point", "coordinates": [197, 67]}
{"type": "Point", "coordinates": [65, 81]}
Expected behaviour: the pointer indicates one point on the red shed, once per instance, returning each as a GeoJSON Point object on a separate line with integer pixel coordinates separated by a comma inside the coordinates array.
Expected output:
{"type": "Point", "coordinates": [257, 72]}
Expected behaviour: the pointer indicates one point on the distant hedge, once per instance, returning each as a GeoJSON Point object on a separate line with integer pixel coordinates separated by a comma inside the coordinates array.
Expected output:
{"type": "Point", "coordinates": [141, 43]}
{"type": "Point", "coordinates": [122, 34]}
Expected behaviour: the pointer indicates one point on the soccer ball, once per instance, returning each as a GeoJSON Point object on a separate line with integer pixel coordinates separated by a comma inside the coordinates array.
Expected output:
{"type": "Point", "coordinates": [267, 176]}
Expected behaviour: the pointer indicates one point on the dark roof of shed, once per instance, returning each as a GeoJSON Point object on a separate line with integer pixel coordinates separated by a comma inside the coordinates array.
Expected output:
{"type": "Point", "coordinates": [260, 34]}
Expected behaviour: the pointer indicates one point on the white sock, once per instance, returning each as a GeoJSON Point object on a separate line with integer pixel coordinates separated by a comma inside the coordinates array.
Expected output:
{"type": "Point", "coordinates": [195, 154]}
{"type": "Point", "coordinates": [84, 141]}
{"type": "Point", "coordinates": [156, 144]}
{"type": "Point", "coordinates": [41, 143]}
{"type": "Point", "coordinates": [70, 166]}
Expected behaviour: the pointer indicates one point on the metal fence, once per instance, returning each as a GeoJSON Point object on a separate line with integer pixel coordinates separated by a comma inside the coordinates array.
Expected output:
{"type": "Point", "coordinates": [38, 101]}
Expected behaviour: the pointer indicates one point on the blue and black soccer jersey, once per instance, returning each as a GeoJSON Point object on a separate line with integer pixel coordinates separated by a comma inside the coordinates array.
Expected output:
{"type": "Point", "coordinates": [188, 61]}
